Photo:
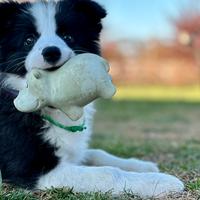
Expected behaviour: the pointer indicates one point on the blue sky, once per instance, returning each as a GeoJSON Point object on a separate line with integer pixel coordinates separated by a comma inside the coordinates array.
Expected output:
{"type": "Point", "coordinates": [141, 19]}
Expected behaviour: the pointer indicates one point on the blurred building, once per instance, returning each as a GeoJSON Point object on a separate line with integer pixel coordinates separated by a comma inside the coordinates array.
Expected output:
{"type": "Point", "coordinates": [172, 62]}
{"type": "Point", "coordinates": [153, 62]}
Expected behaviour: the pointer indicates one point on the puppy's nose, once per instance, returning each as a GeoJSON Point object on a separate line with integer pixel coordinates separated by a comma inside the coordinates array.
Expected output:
{"type": "Point", "coordinates": [51, 54]}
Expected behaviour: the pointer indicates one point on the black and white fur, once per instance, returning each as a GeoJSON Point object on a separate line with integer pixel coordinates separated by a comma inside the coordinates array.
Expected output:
{"type": "Point", "coordinates": [35, 154]}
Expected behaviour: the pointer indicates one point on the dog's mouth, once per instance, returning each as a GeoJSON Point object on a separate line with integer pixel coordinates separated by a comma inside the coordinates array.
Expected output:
{"type": "Point", "coordinates": [54, 68]}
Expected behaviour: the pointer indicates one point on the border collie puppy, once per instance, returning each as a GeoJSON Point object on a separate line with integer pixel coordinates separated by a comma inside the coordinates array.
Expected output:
{"type": "Point", "coordinates": [34, 153]}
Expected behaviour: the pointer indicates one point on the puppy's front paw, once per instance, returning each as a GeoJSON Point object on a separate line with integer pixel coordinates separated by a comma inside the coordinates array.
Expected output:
{"type": "Point", "coordinates": [153, 185]}
{"type": "Point", "coordinates": [140, 166]}
{"type": "Point", "coordinates": [160, 185]}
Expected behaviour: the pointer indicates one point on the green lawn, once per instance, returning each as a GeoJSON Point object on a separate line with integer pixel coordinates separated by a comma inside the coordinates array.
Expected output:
{"type": "Point", "coordinates": [167, 132]}
{"type": "Point", "coordinates": [159, 93]}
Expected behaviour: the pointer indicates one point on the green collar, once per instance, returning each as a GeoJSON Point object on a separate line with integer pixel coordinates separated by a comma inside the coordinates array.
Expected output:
{"type": "Point", "coordinates": [72, 129]}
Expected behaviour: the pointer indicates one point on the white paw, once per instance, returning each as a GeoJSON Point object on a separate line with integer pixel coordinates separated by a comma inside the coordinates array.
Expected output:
{"type": "Point", "coordinates": [155, 185]}
{"type": "Point", "coordinates": [140, 166]}
{"type": "Point", "coordinates": [163, 185]}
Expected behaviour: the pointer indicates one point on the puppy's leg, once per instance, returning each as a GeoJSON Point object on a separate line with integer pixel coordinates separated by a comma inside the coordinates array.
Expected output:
{"type": "Point", "coordinates": [97, 157]}
{"type": "Point", "coordinates": [104, 179]}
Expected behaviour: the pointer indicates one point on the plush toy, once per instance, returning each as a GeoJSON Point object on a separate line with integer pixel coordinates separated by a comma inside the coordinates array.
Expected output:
{"type": "Point", "coordinates": [78, 82]}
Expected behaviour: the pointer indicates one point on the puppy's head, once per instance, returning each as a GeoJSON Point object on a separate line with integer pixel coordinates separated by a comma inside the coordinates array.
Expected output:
{"type": "Point", "coordinates": [46, 34]}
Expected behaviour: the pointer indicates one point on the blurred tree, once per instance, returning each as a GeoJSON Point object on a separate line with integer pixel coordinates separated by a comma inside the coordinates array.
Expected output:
{"type": "Point", "coordinates": [187, 25]}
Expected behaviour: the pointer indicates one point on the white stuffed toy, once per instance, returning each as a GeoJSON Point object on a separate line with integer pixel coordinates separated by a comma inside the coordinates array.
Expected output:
{"type": "Point", "coordinates": [77, 83]}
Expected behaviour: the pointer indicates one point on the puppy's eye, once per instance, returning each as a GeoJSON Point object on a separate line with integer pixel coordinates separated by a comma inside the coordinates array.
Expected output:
{"type": "Point", "coordinates": [67, 38]}
{"type": "Point", "coordinates": [29, 41]}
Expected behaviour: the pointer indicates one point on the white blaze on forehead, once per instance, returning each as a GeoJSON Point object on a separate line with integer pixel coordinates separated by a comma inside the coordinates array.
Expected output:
{"type": "Point", "coordinates": [44, 14]}
{"type": "Point", "coordinates": [45, 22]}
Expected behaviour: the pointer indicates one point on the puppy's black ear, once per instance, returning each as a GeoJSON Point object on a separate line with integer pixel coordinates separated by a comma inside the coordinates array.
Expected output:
{"type": "Point", "coordinates": [8, 13]}
{"type": "Point", "coordinates": [91, 9]}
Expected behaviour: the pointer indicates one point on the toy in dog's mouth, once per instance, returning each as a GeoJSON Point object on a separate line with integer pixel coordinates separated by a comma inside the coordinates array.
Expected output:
{"type": "Point", "coordinates": [75, 84]}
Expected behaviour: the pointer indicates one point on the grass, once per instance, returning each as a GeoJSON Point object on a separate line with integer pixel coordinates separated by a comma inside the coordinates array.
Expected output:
{"type": "Point", "coordinates": [159, 93]}
{"type": "Point", "coordinates": [165, 132]}
{"type": "Point", "coordinates": [162, 130]}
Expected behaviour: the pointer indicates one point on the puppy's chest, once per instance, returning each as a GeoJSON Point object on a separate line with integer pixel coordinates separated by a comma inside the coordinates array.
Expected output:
{"type": "Point", "coordinates": [70, 147]}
